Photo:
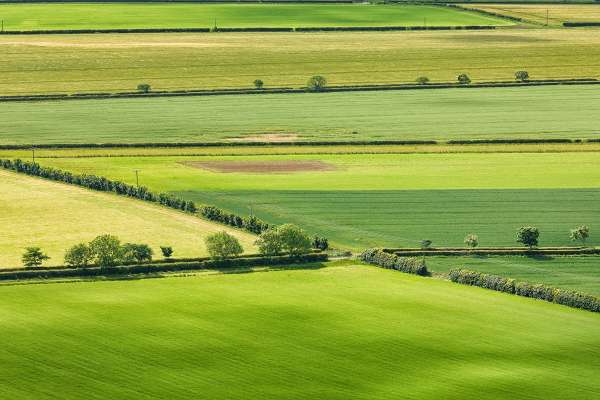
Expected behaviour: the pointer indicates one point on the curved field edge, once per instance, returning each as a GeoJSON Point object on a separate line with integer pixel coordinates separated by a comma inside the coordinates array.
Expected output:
{"type": "Point", "coordinates": [361, 333]}
{"type": "Point", "coordinates": [54, 216]}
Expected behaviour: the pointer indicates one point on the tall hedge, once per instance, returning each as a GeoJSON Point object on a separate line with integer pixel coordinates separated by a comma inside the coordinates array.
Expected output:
{"type": "Point", "coordinates": [382, 259]}
{"type": "Point", "coordinates": [534, 290]}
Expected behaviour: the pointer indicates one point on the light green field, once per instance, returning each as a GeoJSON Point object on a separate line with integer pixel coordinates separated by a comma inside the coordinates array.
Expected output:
{"type": "Point", "coordinates": [41, 64]}
{"type": "Point", "coordinates": [389, 200]}
{"type": "Point", "coordinates": [570, 272]}
{"type": "Point", "coordinates": [343, 332]}
{"type": "Point", "coordinates": [441, 114]}
{"type": "Point", "coordinates": [53, 216]}
{"type": "Point", "coordinates": [26, 17]}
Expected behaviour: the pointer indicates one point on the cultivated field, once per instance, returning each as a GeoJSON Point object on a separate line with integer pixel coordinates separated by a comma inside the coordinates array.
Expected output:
{"type": "Point", "coordinates": [570, 272]}
{"type": "Point", "coordinates": [26, 17]}
{"type": "Point", "coordinates": [361, 333]}
{"type": "Point", "coordinates": [441, 114]}
{"type": "Point", "coordinates": [383, 200]}
{"type": "Point", "coordinates": [554, 14]}
{"type": "Point", "coordinates": [36, 212]}
{"type": "Point", "coordinates": [42, 64]}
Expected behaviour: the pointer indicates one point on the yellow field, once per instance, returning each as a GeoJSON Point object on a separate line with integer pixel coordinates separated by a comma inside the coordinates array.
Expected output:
{"type": "Point", "coordinates": [53, 216]}
{"type": "Point", "coordinates": [556, 14]}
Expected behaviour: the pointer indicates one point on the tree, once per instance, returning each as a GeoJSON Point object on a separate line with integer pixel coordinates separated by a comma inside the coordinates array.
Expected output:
{"type": "Point", "coordinates": [320, 243]}
{"type": "Point", "coordinates": [107, 250]}
{"type": "Point", "coordinates": [463, 79]}
{"type": "Point", "coordinates": [258, 83]}
{"type": "Point", "coordinates": [144, 88]}
{"type": "Point", "coordinates": [79, 255]}
{"type": "Point", "coordinates": [422, 80]}
{"type": "Point", "coordinates": [167, 251]}
{"type": "Point", "coordinates": [472, 240]}
{"type": "Point", "coordinates": [316, 84]}
{"type": "Point", "coordinates": [269, 242]}
{"type": "Point", "coordinates": [223, 245]}
{"type": "Point", "coordinates": [425, 244]}
{"type": "Point", "coordinates": [521, 76]}
{"type": "Point", "coordinates": [133, 252]}
{"type": "Point", "coordinates": [33, 257]}
{"type": "Point", "coordinates": [295, 241]}
{"type": "Point", "coordinates": [580, 233]}
{"type": "Point", "coordinates": [528, 235]}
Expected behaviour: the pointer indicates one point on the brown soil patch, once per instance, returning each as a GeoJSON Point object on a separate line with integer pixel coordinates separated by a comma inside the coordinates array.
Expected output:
{"type": "Point", "coordinates": [268, 138]}
{"type": "Point", "coordinates": [264, 167]}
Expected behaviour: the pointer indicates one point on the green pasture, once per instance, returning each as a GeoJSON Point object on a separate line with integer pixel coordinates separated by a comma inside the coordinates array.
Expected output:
{"type": "Point", "coordinates": [441, 114]}
{"type": "Point", "coordinates": [388, 199]}
{"type": "Point", "coordinates": [341, 332]}
{"type": "Point", "coordinates": [27, 17]}
{"type": "Point", "coordinates": [43, 64]}
{"type": "Point", "coordinates": [570, 272]}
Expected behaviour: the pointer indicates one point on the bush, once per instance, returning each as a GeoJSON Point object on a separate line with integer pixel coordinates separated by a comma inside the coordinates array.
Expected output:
{"type": "Point", "coordinates": [79, 255]}
{"type": "Point", "coordinates": [528, 235]}
{"type": "Point", "coordinates": [463, 79]}
{"type": "Point", "coordinates": [320, 243]}
{"type": "Point", "coordinates": [316, 84]}
{"type": "Point", "coordinates": [222, 245]}
{"type": "Point", "coordinates": [33, 257]}
{"type": "Point", "coordinates": [471, 240]}
{"type": "Point", "coordinates": [294, 240]}
{"type": "Point", "coordinates": [426, 244]}
{"type": "Point", "coordinates": [107, 250]}
{"type": "Point", "coordinates": [139, 253]}
{"type": "Point", "coordinates": [269, 243]}
{"type": "Point", "coordinates": [167, 251]}
{"type": "Point", "coordinates": [580, 233]}
{"type": "Point", "coordinates": [521, 76]}
{"type": "Point", "coordinates": [382, 259]}
{"type": "Point", "coordinates": [422, 80]}
{"type": "Point", "coordinates": [143, 88]}
{"type": "Point", "coordinates": [258, 83]}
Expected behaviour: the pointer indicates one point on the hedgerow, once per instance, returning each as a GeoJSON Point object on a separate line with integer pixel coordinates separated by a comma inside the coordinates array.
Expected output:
{"type": "Point", "coordinates": [537, 291]}
{"type": "Point", "coordinates": [382, 259]}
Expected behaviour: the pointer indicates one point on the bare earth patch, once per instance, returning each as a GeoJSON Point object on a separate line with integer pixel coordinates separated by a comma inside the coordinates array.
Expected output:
{"type": "Point", "coordinates": [267, 137]}
{"type": "Point", "coordinates": [264, 167]}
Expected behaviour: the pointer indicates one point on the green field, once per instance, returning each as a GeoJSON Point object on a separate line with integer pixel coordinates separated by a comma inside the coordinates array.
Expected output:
{"type": "Point", "coordinates": [343, 332]}
{"type": "Point", "coordinates": [55, 217]}
{"type": "Point", "coordinates": [578, 273]}
{"type": "Point", "coordinates": [441, 114]}
{"type": "Point", "coordinates": [41, 64]}
{"type": "Point", "coordinates": [27, 17]}
{"type": "Point", "coordinates": [361, 200]}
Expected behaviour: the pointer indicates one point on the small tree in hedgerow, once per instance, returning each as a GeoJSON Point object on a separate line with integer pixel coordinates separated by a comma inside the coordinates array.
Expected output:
{"type": "Point", "coordinates": [522, 76]}
{"type": "Point", "coordinates": [472, 240]}
{"type": "Point", "coordinates": [222, 245]}
{"type": "Point", "coordinates": [107, 250]}
{"type": "Point", "coordinates": [79, 255]}
{"type": "Point", "coordinates": [144, 88]}
{"type": "Point", "coordinates": [581, 233]}
{"type": "Point", "coordinates": [463, 79]}
{"type": "Point", "coordinates": [167, 251]}
{"type": "Point", "coordinates": [320, 243]}
{"type": "Point", "coordinates": [295, 240]}
{"type": "Point", "coordinates": [316, 84]}
{"type": "Point", "coordinates": [33, 257]}
{"type": "Point", "coordinates": [422, 80]}
{"type": "Point", "coordinates": [269, 242]}
{"type": "Point", "coordinates": [258, 83]}
{"type": "Point", "coordinates": [528, 235]}
{"type": "Point", "coordinates": [139, 253]}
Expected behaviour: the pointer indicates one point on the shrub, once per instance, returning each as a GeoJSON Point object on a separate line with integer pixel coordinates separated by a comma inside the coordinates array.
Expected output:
{"type": "Point", "coordinates": [132, 252]}
{"type": "Point", "coordinates": [270, 243]}
{"type": "Point", "coordinates": [79, 255]}
{"type": "Point", "coordinates": [472, 240]}
{"type": "Point", "coordinates": [294, 240]}
{"type": "Point", "coordinates": [222, 245]}
{"type": "Point", "coordinates": [320, 243]}
{"type": "Point", "coordinates": [107, 250]}
{"type": "Point", "coordinates": [422, 80]}
{"type": "Point", "coordinates": [144, 88]}
{"type": "Point", "coordinates": [463, 79]}
{"type": "Point", "coordinates": [33, 257]}
{"type": "Point", "coordinates": [580, 233]}
{"type": "Point", "coordinates": [386, 260]}
{"type": "Point", "coordinates": [316, 84]}
{"type": "Point", "coordinates": [521, 76]}
{"type": "Point", "coordinates": [167, 251]}
{"type": "Point", "coordinates": [258, 83]}
{"type": "Point", "coordinates": [426, 244]}
{"type": "Point", "coordinates": [528, 235]}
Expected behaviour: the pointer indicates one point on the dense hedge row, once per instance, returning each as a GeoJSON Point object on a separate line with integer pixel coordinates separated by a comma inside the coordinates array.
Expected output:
{"type": "Point", "coordinates": [390, 261]}
{"type": "Point", "coordinates": [389, 28]}
{"type": "Point", "coordinates": [496, 252]}
{"type": "Point", "coordinates": [162, 267]}
{"type": "Point", "coordinates": [251, 224]}
{"type": "Point", "coordinates": [537, 291]}
{"type": "Point", "coordinates": [580, 24]}
{"type": "Point", "coordinates": [510, 141]}
{"type": "Point", "coordinates": [488, 13]}
{"type": "Point", "coordinates": [86, 31]}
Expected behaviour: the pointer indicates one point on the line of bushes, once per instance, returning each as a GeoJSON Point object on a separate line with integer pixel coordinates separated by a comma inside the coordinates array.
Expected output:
{"type": "Point", "coordinates": [484, 12]}
{"type": "Point", "coordinates": [497, 252]}
{"type": "Point", "coordinates": [569, 24]}
{"type": "Point", "coordinates": [150, 268]}
{"type": "Point", "coordinates": [537, 291]}
{"type": "Point", "coordinates": [251, 224]}
{"type": "Point", "coordinates": [390, 28]}
{"type": "Point", "coordinates": [382, 259]}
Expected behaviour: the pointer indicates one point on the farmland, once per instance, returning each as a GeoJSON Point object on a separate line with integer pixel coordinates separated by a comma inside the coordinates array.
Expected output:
{"type": "Point", "coordinates": [554, 14]}
{"type": "Point", "coordinates": [43, 64]}
{"type": "Point", "coordinates": [26, 17]}
{"type": "Point", "coordinates": [568, 272]}
{"type": "Point", "coordinates": [386, 200]}
{"type": "Point", "coordinates": [361, 333]}
{"type": "Point", "coordinates": [441, 114]}
{"type": "Point", "coordinates": [29, 208]}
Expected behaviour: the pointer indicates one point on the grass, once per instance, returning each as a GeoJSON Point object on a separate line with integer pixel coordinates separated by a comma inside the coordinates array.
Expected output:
{"type": "Point", "coordinates": [570, 272]}
{"type": "Point", "coordinates": [54, 216]}
{"type": "Point", "coordinates": [361, 333]}
{"type": "Point", "coordinates": [26, 17]}
{"type": "Point", "coordinates": [41, 64]}
{"type": "Point", "coordinates": [441, 114]}
{"type": "Point", "coordinates": [389, 199]}
{"type": "Point", "coordinates": [554, 14]}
